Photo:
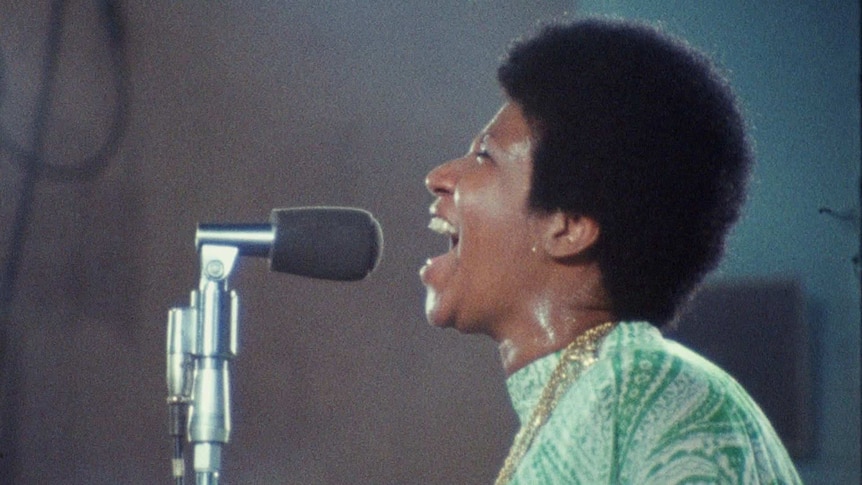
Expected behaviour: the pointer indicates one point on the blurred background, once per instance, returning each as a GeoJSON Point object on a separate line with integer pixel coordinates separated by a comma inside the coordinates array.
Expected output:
{"type": "Point", "coordinates": [124, 124]}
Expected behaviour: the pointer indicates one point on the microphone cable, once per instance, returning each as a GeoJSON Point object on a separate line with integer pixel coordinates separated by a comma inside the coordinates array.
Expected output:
{"type": "Point", "coordinates": [32, 162]}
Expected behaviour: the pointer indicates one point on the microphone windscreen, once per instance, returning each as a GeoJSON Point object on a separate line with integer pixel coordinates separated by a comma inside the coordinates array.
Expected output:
{"type": "Point", "coordinates": [333, 243]}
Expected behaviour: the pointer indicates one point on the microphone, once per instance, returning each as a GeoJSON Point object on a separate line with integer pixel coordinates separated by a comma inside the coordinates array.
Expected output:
{"type": "Point", "coordinates": [332, 243]}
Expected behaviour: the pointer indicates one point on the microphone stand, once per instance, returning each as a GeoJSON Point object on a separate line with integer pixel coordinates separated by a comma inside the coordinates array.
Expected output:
{"type": "Point", "coordinates": [202, 339]}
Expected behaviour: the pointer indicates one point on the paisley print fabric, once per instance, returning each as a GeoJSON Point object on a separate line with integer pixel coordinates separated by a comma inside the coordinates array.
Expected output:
{"type": "Point", "coordinates": [649, 411]}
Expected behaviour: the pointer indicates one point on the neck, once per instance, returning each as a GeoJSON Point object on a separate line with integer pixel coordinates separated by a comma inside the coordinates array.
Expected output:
{"type": "Point", "coordinates": [544, 336]}
{"type": "Point", "coordinates": [569, 301]}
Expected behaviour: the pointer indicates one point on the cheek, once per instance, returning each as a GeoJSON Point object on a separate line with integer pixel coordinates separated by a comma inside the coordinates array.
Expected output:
{"type": "Point", "coordinates": [494, 223]}
{"type": "Point", "coordinates": [496, 251]}
{"type": "Point", "coordinates": [499, 226]}
{"type": "Point", "coordinates": [489, 209]}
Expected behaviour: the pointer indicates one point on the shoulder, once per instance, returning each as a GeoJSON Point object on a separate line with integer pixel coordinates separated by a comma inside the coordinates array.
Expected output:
{"type": "Point", "coordinates": [643, 362]}
{"type": "Point", "coordinates": [660, 384]}
{"type": "Point", "coordinates": [675, 410]}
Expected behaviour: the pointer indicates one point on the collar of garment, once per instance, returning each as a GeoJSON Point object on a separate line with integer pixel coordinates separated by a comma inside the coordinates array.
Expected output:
{"type": "Point", "coordinates": [525, 386]}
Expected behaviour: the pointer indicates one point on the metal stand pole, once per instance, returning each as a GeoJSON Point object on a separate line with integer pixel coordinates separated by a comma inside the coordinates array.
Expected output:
{"type": "Point", "coordinates": [202, 340]}
{"type": "Point", "coordinates": [216, 344]}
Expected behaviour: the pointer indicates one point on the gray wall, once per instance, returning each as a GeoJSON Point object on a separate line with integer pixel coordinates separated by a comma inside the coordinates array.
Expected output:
{"type": "Point", "coordinates": [239, 107]}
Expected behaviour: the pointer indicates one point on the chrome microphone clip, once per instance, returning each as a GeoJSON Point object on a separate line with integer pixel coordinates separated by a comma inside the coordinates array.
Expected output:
{"type": "Point", "coordinates": [341, 244]}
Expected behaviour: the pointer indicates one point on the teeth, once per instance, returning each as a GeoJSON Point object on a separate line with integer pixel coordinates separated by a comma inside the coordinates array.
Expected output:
{"type": "Point", "coordinates": [442, 226]}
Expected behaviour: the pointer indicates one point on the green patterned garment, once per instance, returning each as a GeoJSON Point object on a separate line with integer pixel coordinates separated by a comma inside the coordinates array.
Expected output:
{"type": "Point", "coordinates": [649, 411]}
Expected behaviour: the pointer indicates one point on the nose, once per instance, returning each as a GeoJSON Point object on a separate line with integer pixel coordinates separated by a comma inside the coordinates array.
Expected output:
{"type": "Point", "coordinates": [441, 179]}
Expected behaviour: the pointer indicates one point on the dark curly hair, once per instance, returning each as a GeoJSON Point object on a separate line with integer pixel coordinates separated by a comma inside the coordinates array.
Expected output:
{"type": "Point", "coordinates": [640, 132]}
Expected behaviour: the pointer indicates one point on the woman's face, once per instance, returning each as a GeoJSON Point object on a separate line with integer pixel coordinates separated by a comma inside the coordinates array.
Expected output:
{"type": "Point", "coordinates": [482, 282]}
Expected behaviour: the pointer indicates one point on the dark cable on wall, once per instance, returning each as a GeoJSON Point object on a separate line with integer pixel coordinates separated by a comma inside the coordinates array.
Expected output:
{"type": "Point", "coordinates": [33, 162]}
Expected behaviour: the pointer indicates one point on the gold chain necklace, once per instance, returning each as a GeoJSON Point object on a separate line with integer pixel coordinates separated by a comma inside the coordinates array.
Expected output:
{"type": "Point", "coordinates": [576, 358]}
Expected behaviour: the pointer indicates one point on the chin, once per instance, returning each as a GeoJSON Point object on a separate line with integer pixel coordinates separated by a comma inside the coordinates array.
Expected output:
{"type": "Point", "coordinates": [438, 316]}
{"type": "Point", "coordinates": [433, 312]}
{"type": "Point", "coordinates": [441, 315]}
{"type": "Point", "coordinates": [437, 319]}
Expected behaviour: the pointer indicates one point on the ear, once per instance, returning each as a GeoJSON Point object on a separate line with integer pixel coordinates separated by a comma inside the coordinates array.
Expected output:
{"type": "Point", "coordinates": [568, 235]}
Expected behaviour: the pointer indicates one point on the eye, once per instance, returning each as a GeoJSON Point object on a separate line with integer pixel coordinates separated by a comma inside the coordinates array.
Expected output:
{"type": "Point", "coordinates": [482, 155]}
{"type": "Point", "coordinates": [480, 150]}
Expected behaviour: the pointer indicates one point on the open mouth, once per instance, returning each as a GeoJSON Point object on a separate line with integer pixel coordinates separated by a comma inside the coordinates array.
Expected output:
{"type": "Point", "coordinates": [446, 228]}
{"type": "Point", "coordinates": [436, 270]}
